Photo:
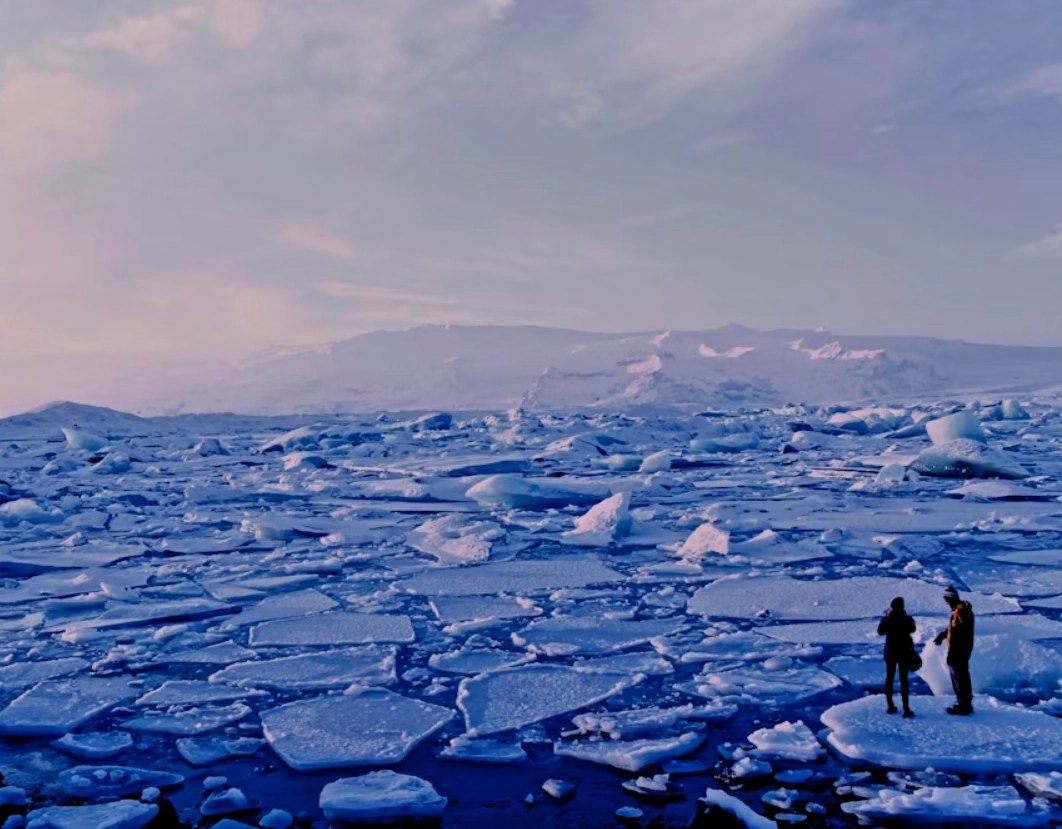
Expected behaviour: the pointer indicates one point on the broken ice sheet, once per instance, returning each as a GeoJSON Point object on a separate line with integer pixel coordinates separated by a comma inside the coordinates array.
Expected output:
{"type": "Point", "coordinates": [334, 628]}
{"type": "Point", "coordinates": [861, 597]}
{"type": "Point", "coordinates": [520, 577]}
{"type": "Point", "coordinates": [482, 751]}
{"type": "Point", "coordinates": [330, 669]}
{"type": "Point", "coordinates": [370, 726]}
{"type": "Point", "coordinates": [21, 674]}
{"type": "Point", "coordinates": [114, 781]}
{"type": "Point", "coordinates": [200, 751]}
{"type": "Point", "coordinates": [510, 699]}
{"type": "Point", "coordinates": [485, 610]}
{"type": "Point", "coordinates": [564, 635]}
{"type": "Point", "coordinates": [476, 661]}
{"type": "Point", "coordinates": [193, 691]}
{"type": "Point", "coordinates": [190, 722]}
{"type": "Point", "coordinates": [631, 755]}
{"type": "Point", "coordinates": [97, 746]}
{"type": "Point", "coordinates": [221, 653]}
{"type": "Point", "coordinates": [54, 707]}
{"type": "Point", "coordinates": [754, 685]}
{"type": "Point", "coordinates": [453, 539]}
{"type": "Point", "coordinates": [282, 606]}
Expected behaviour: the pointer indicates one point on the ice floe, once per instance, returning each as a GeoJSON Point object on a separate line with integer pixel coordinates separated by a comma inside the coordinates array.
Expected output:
{"type": "Point", "coordinates": [54, 707]}
{"type": "Point", "coordinates": [510, 699]}
{"type": "Point", "coordinates": [997, 738]}
{"type": "Point", "coordinates": [381, 797]}
{"type": "Point", "coordinates": [370, 726]}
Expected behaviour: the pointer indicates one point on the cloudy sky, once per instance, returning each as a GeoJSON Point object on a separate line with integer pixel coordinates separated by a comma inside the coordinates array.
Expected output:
{"type": "Point", "coordinates": [203, 179]}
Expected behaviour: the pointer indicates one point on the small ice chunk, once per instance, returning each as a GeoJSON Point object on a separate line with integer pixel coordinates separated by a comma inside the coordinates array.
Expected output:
{"type": "Point", "coordinates": [656, 462]}
{"type": "Point", "coordinates": [452, 539]}
{"type": "Point", "coordinates": [371, 726]}
{"type": "Point", "coordinates": [707, 538]}
{"type": "Point", "coordinates": [81, 441]}
{"type": "Point", "coordinates": [1047, 785]}
{"type": "Point", "coordinates": [558, 789]}
{"type": "Point", "coordinates": [276, 819]}
{"type": "Point", "coordinates": [965, 458]}
{"type": "Point", "coordinates": [483, 751]}
{"type": "Point", "coordinates": [119, 814]}
{"type": "Point", "coordinates": [510, 699]}
{"type": "Point", "coordinates": [335, 628]}
{"type": "Point", "coordinates": [1013, 410]}
{"type": "Point", "coordinates": [629, 813]}
{"type": "Point", "coordinates": [604, 524]}
{"type": "Point", "coordinates": [114, 781]}
{"type": "Point", "coordinates": [631, 755]}
{"type": "Point", "coordinates": [97, 746]}
{"type": "Point", "coordinates": [787, 741]}
{"type": "Point", "coordinates": [951, 427]}
{"type": "Point", "coordinates": [749, 768]}
{"type": "Point", "coordinates": [225, 802]}
{"type": "Point", "coordinates": [12, 796]}
{"type": "Point", "coordinates": [381, 797]}
{"type": "Point", "coordinates": [722, 806]}
{"type": "Point", "coordinates": [891, 473]}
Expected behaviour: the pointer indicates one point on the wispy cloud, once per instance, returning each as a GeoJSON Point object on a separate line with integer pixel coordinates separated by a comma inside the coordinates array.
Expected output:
{"type": "Point", "coordinates": [1049, 247]}
{"type": "Point", "coordinates": [313, 239]}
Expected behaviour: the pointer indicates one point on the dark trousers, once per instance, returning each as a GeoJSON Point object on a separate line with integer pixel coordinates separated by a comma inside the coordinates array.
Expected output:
{"type": "Point", "coordinates": [960, 680]}
{"type": "Point", "coordinates": [890, 675]}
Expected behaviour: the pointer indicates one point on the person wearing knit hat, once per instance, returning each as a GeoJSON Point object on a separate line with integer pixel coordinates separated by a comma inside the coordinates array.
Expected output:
{"type": "Point", "coordinates": [960, 636]}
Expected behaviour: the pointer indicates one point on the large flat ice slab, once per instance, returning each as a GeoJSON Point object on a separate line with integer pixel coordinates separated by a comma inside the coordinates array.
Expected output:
{"type": "Point", "coordinates": [563, 635]}
{"type": "Point", "coordinates": [863, 597]}
{"type": "Point", "coordinates": [509, 699]}
{"type": "Point", "coordinates": [936, 806]}
{"type": "Point", "coordinates": [511, 577]}
{"type": "Point", "coordinates": [996, 738]}
{"type": "Point", "coordinates": [331, 669]}
{"type": "Point", "coordinates": [369, 727]}
{"type": "Point", "coordinates": [121, 814]}
{"type": "Point", "coordinates": [51, 709]}
{"type": "Point", "coordinates": [335, 628]}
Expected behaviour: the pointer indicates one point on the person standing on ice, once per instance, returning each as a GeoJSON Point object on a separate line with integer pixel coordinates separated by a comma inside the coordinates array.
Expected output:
{"type": "Point", "coordinates": [896, 626]}
{"type": "Point", "coordinates": [960, 636]}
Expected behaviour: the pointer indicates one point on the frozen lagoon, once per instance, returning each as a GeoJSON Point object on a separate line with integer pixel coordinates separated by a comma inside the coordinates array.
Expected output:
{"type": "Point", "coordinates": [611, 604]}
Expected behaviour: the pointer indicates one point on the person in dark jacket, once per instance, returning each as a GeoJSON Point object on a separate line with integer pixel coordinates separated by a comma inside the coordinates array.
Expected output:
{"type": "Point", "coordinates": [960, 636]}
{"type": "Point", "coordinates": [896, 626]}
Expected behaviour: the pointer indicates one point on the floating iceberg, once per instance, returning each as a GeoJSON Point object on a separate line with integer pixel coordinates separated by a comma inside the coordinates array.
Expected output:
{"type": "Point", "coordinates": [381, 797]}
{"type": "Point", "coordinates": [508, 492]}
{"type": "Point", "coordinates": [951, 427]}
{"type": "Point", "coordinates": [965, 458]}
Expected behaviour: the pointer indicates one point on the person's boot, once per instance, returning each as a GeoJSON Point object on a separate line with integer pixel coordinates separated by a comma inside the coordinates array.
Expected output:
{"type": "Point", "coordinates": [907, 713]}
{"type": "Point", "coordinates": [961, 709]}
{"type": "Point", "coordinates": [892, 707]}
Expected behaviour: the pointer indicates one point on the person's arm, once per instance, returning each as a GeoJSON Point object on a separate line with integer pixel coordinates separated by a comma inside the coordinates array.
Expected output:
{"type": "Point", "coordinates": [910, 624]}
{"type": "Point", "coordinates": [883, 625]}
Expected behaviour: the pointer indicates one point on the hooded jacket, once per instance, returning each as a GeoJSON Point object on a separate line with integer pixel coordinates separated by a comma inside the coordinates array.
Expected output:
{"type": "Point", "coordinates": [961, 632]}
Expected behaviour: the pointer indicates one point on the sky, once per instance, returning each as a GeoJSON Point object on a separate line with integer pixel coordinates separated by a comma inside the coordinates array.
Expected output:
{"type": "Point", "coordinates": [195, 181]}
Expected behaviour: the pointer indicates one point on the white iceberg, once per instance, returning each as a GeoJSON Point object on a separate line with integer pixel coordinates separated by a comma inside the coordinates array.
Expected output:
{"type": "Point", "coordinates": [951, 427]}
{"type": "Point", "coordinates": [605, 523]}
{"type": "Point", "coordinates": [965, 458]}
{"type": "Point", "coordinates": [509, 492]}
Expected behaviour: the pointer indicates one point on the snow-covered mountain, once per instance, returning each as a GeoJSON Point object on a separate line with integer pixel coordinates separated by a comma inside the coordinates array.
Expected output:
{"type": "Point", "coordinates": [485, 367]}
